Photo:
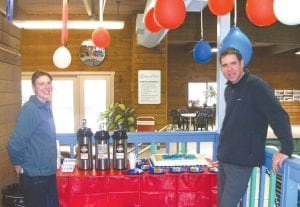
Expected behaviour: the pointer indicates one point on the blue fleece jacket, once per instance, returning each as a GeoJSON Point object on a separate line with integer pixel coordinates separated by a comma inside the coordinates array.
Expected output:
{"type": "Point", "coordinates": [250, 107]}
{"type": "Point", "coordinates": [33, 142]}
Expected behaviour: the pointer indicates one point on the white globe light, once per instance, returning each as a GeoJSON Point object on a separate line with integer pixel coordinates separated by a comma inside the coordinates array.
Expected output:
{"type": "Point", "coordinates": [62, 57]}
{"type": "Point", "coordinates": [287, 11]}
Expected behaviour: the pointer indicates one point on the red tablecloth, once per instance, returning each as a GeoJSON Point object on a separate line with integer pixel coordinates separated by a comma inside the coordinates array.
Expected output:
{"type": "Point", "coordinates": [115, 188]}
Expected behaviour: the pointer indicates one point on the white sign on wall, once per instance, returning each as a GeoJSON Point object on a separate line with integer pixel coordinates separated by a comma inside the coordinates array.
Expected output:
{"type": "Point", "coordinates": [149, 87]}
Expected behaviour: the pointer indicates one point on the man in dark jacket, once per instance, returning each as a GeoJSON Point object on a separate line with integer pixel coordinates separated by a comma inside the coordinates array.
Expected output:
{"type": "Point", "coordinates": [250, 107]}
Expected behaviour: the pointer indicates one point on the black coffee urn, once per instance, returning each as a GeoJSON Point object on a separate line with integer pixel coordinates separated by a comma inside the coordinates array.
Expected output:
{"type": "Point", "coordinates": [84, 159]}
{"type": "Point", "coordinates": [119, 149]}
{"type": "Point", "coordinates": [102, 160]}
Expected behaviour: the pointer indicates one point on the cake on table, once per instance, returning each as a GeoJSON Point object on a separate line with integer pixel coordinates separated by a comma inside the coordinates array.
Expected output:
{"type": "Point", "coordinates": [177, 160]}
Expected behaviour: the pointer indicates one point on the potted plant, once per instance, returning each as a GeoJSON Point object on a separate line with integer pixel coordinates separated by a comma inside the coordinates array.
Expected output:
{"type": "Point", "coordinates": [118, 114]}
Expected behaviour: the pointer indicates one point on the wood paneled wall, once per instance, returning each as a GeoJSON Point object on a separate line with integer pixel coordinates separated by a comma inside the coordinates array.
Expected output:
{"type": "Point", "coordinates": [10, 93]}
{"type": "Point", "coordinates": [175, 61]}
{"type": "Point", "coordinates": [280, 71]}
{"type": "Point", "coordinates": [151, 59]}
{"type": "Point", "coordinates": [123, 56]}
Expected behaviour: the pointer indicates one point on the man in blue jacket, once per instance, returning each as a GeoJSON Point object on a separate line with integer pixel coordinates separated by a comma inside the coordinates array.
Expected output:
{"type": "Point", "coordinates": [250, 107]}
{"type": "Point", "coordinates": [32, 146]}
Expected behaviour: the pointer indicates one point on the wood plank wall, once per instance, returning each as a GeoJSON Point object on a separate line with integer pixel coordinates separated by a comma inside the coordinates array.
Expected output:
{"type": "Point", "coordinates": [10, 93]}
{"type": "Point", "coordinates": [151, 59]}
{"type": "Point", "coordinates": [123, 56]}
{"type": "Point", "coordinates": [280, 71]}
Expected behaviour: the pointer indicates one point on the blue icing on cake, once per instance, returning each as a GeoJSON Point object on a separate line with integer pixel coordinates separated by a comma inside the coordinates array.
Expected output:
{"type": "Point", "coordinates": [178, 156]}
{"type": "Point", "coordinates": [177, 160]}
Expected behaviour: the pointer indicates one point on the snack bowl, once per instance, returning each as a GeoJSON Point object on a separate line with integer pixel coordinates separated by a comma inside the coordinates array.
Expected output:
{"type": "Point", "coordinates": [134, 171]}
{"type": "Point", "coordinates": [196, 169]}
{"type": "Point", "coordinates": [213, 169]}
{"type": "Point", "coordinates": [156, 170]}
{"type": "Point", "coordinates": [145, 167]}
{"type": "Point", "coordinates": [176, 169]}
{"type": "Point", "coordinates": [141, 162]}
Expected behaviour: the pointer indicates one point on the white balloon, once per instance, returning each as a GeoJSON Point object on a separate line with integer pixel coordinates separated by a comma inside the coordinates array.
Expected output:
{"type": "Point", "coordinates": [62, 57]}
{"type": "Point", "coordinates": [287, 11]}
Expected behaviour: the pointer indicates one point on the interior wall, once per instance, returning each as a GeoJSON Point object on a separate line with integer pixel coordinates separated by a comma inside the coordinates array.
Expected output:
{"type": "Point", "coordinates": [280, 71]}
{"type": "Point", "coordinates": [10, 96]}
{"type": "Point", "coordinates": [123, 56]}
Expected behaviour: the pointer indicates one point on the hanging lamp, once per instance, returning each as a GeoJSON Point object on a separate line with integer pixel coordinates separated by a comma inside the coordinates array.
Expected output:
{"type": "Point", "coordinates": [62, 56]}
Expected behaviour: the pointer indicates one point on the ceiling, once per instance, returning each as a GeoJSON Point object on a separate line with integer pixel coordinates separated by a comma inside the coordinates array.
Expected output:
{"type": "Point", "coordinates": [51, 9]}
{"type": "Point", "coordinates": [274, 39]}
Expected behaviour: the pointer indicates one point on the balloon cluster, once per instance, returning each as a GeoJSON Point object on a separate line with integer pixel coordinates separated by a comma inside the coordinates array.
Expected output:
{"type": "Point", "coordinates": [262, 12]}
{"type": "Point", "coordinates": [234, 39]}
{"type": "Point", "coordinates": [169, 14]}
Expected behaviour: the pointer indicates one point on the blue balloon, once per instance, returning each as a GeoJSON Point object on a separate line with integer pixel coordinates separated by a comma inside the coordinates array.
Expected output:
{"type": "Point", "coordinates": [202, 51]}
{"type": "Point", "coordinates": [238, 40]}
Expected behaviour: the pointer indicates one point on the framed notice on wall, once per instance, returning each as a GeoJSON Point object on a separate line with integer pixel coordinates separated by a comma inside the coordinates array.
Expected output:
{"type": "Point", "coordinates": [149, 87]}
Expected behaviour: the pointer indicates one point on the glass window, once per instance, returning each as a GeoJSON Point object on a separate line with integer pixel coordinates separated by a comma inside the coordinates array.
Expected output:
{"type": "Point", "coordinates": [94, 104]}
{"type": "Point", "coordinates": [63, 105]}
{"type": "Point", "coordinates": [202, 93]}
{"type": "Point", "coordinates": [76, 97]}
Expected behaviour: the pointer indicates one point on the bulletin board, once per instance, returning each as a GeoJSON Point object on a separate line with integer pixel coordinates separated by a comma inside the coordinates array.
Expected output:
{"type": "Point", "coordinates": [149, 87]}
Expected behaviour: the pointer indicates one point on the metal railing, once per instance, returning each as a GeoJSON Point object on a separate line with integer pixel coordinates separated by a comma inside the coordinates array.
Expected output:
{"type": "Point", "coordinates": [274, 190]}
{"type": "Point", "coordinates": [262, 189]}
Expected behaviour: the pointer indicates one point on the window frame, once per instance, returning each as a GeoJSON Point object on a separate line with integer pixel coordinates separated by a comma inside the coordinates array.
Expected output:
{"type": "Point", "coordinates": [78, 78]}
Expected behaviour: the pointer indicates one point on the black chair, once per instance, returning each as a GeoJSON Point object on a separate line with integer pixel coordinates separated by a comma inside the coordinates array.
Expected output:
{"type": "Point", "coordinates": [184, 120]}
{"type": "Point", "coordinates": [201, 121]}
{"type": "Point", "coordinates": [176, 118]}
{"type": "Point", "coordinates": [211, 116]}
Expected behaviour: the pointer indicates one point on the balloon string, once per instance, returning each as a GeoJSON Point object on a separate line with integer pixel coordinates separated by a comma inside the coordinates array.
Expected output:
{"type": "Point", "coordinates": [64, 33]}
{"type": "Point", "coordinates": [101, 11]}
{"type": "Point", "coordinates": [201, 22]}
{"type": "Point", "coordinates": [235, 13]}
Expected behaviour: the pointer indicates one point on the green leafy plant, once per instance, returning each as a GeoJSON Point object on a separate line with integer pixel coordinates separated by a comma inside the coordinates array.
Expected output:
{"type": "Point", "coordinates": [210, 93]}
{"type": "Point", "coordinates": [118, 114]}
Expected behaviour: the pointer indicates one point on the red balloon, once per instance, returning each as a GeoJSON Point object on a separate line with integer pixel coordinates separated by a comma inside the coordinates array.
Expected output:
{"type": "Point", "coordinates": [150, 23]}
{"type": "Point", "coordinates": [101, 37]}
{"type": "Point", "coordinates": [260, 12]}
{"type": "Point", "coordinates": [169, 14]}
{"type": "Point", "coordinates": [220, 7]}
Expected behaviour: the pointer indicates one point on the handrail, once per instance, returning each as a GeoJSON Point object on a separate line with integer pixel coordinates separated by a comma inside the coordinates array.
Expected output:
{"type": "Point", "coordinates": [290, 180]}
{"type": "Point", "coordinates": [289, 174]}
{"type": "Point", "coordinates": [155, 137]}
